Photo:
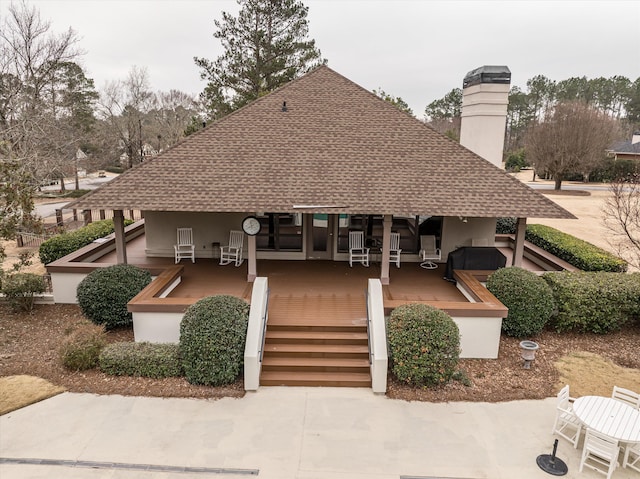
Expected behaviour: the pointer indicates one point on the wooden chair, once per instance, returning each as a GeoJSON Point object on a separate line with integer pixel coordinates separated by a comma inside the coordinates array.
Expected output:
{"type": "Point", "coordinates": [232, 253]}
{"type": "Point", "coordinates": [599, 453]}
{"type": "Point", "coordinates": [357, 250]}
{"type": "Point", "coordinates": [626, 396]}
{"type": "Point", "coordinates": [394, 249]}
{"type": "Point", "coordinates": [428, 252]}
{"type": "Point", "coordinates": [566, 425]}
{"type": "Point", "coordinates": [184, 247]}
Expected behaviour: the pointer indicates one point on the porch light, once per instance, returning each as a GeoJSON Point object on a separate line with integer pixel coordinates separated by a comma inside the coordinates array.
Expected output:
{"type": "Point", "coordinates": [528, 352]}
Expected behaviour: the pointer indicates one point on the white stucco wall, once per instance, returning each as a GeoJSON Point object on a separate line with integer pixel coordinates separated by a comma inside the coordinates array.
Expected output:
{"type": "Point", "coordinates": [65, 286]}
{"type": "Point", "coordinates": [457, 233]}
{"type": "Point", "coordinates": [155, 327]}
{"type": "Point", "coordinates": [479, 337]}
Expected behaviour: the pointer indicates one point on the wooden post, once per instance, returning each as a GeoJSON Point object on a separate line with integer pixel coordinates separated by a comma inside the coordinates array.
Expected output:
{"type": "Point", "coordinates": [386, 243]}
{"type": "Point", "coordinates": [518, 249]}
{"type": "Point", "coordinates": [252, 272]}
{"type": "Point", "coordinates": [59, 217]}
{"type": "Point", "coordinates": [102, 215]}
{"type": "Point", "coordinates": [86, 214]}
{"type": "Point", "coordinates": [121, 244]}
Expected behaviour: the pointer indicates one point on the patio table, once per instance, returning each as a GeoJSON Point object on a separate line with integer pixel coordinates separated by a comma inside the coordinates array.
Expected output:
{"type": "Point", "coordinates": [609, 416]}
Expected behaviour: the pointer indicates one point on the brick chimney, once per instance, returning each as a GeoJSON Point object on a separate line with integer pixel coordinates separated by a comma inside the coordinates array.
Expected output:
{"type": "Point", "coordinates": [485, 96]}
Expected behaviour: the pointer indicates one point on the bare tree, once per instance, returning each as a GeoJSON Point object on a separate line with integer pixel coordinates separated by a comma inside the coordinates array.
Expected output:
{"type": "Point", "coordinates": [173, 112]}
{"type": "Point", "coordinates": [572, 138]}
{"type": "Point", "coordinates": [622, 218]}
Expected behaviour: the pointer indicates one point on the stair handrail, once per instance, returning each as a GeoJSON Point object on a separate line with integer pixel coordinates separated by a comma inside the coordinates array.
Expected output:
{"type": "Point", "coordinates": [377, 336]}
{"type": "Point", "coordinates": [256, 332]}
{"type": "Point", "coordinates": [265, 319]}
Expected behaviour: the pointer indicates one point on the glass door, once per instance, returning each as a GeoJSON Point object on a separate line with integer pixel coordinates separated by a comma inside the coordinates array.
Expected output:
{"type": "Point", "coordinates": [320, 236]}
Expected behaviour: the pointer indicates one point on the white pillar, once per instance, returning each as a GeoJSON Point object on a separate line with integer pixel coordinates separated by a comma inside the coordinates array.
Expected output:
{"type": "Point", "coordinates": [485, 97]}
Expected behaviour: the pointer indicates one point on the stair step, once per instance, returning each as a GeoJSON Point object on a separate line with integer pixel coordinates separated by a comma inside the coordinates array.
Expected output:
{"type": "Point", "coordinates": [324, 326]}
{"type": "Point", "coordinates": [310, 378]}
{"type": "Point", "coordinates": [278, 347]}
{"type": "Point", "coordinates": [278, 363]}
{"type": "Point", "coordinates": [324, 337]}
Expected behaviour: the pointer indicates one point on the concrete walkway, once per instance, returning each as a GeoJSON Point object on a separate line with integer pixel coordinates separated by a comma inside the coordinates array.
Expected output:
{"type": "Point", "coordinates": [281, 433]}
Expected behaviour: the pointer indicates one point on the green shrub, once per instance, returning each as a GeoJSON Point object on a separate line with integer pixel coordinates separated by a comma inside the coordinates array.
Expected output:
{"type": "Point", "coordinates": [141, 359]}
{"type": "Point", "coordinates": [506, 226]}
{"type": "Point", "coordinates": [528, 297]}
{"type": "Point", "coordinates": [597, 302]}
{"type": "Point", "coordinates": [579, 253]}
{"type": "Point", "coordinates": [114, 169]}
{"type": "Point", "coordinates": [20, 289]}
{"type": "Point", "coordinates": [212, 338]}
{"type": "Point", "coordinates": [424, 345]}
{"type": "Point", "coordinates": [104, 293]}
{"type": "Point", "coordinates": [81, 349]}
{"type": "Point", "coordinates": [63, 244]}
{"type": "Point", "coordinates": [516, 160]}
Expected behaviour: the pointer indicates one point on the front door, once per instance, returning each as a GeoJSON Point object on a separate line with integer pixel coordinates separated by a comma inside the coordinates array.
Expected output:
{"type": "Point", "coordinates": [320, 236]}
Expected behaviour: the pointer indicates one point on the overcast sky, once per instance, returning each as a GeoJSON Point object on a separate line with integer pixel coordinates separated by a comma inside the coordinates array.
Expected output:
{"type": "Point", "coordinates": [418, 50]}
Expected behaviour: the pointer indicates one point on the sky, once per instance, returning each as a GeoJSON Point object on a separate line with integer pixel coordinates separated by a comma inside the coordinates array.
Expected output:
{"type": "Point", "coordinates": [418, 50]}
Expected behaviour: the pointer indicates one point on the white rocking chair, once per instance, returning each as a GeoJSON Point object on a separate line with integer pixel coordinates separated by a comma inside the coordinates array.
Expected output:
{"type": "Point", "coordinates": [357, 250]}
{"type": "Point", "coordinates": [394, 249]}
{"type": "Point", "coordinates": [184, 248]}
{"type": "Point", "coordinates": [428, 252]}
{"type": "Point", "coordinates": [232, 253]}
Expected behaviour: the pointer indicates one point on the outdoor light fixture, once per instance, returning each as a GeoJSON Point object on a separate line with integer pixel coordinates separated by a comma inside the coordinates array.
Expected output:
{"type": "Point", "coordinates": [529, 349]}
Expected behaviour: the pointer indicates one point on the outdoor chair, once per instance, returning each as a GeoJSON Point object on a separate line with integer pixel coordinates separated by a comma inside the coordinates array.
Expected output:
{"type": "Point", "coordinates": [394, 249]}
{"type": "Point", "coordinates": [632, 457]}
{"type": "Point", "coordinates": [626, 396]}
{"type": "Point", "coordinates": [232, 253]}
{"type": "Point", "coordinates": [599, 453]}
{"type": "Point", "coordinates": [357, 250]}
{"type": "Point", "coordinates": [184, 247]}
{"type": "Point", "coordinates": [566, 425]}
{"type": "Point", "coordinates": [428, 252]}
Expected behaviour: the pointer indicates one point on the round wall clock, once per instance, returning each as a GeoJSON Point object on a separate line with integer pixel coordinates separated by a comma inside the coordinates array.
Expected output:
{"type": "Point", "coordinates": [251, 225]}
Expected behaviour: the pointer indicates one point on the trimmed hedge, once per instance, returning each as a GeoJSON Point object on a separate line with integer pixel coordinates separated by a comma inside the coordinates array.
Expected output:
{"type": "Point", "coordinates": [579, 253]}
{"type": "Point", "coordinates": [81, 349]}
{"type": "Point", "coordinates": [506, 226]}
{"type": "Point", "coordinates": [104, 293]}
{"type": "Point", "coordinates": [597, 302]}
{"type": "Point", "coordinates": [212, 337]}
{"type": "Point", "coordinates": [141, 359]}
{"type": "Point", "coordinates": [19, 289]}
{"type": "Point", "coordinates": [65, 243]}
{"type": "Point", "coordinates": [528, 297]}
{"type": "Point", "coordinates": [424, 345]}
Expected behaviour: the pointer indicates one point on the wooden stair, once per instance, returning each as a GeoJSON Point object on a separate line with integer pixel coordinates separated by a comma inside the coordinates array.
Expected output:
{"type": "Point", "coordinates": [303, 352]}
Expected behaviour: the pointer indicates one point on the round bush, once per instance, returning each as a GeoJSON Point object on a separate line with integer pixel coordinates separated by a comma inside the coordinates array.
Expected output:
{"type": "Point", "coordinates": [212, 337]}
{"type": "Point", "coordinates": [19, 290]}
{"type": "Point", "coordinates": [103, 295]}
{"type": "Point", "coordinates": [424, 344]}
{"type": "Point", "coordinates": [81, 349]}
{"type": "Point", "coordinates": [528, 297]}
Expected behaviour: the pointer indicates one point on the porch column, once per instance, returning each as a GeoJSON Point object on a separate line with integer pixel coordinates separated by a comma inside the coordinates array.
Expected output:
{"type": "Point", "coordinates": [386, 241]}
{"type": "Point", "coordinates": [252, 268]}
{"type": "Point", "coordinates": [518, 249]}
{"type": "Point", "coordinates": [121, 244]}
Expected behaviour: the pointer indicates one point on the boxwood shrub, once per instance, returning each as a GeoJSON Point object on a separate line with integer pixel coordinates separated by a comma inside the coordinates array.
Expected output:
{"type": "Point", "coordinates": [424, 345]}
{"type": "Point", "coordinates": [141, 359]}
{"type": "Point", "coordinates": [579, 253]}
{"type": "Point", "coordinates": [20, 288]}
{"type": "Point", "coordinates": [212, 338]}
{"type": "Point", "coordinates": [597, 302]}
{"type": "Point", "coordinates": [65, 243]}
{"type": "Point", "coordinates": [506, 226]}
{"type": "Point", "coordinates": [81, 349]}
{"type": "Point", "coordinates": [104, 293]}
{"type": "Point", "coordinates": [528, 297]}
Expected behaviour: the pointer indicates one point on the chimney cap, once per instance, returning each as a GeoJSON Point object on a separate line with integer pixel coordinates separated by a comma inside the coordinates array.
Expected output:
{"type": "Point", "coordinates": [487, 74]}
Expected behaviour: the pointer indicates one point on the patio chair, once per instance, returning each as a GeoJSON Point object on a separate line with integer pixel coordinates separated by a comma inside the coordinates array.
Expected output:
{"type": "Point", "coordinates": [566, 425]}
{"type": "Point", "coordinates": [357, 250]}
{"type": "Point", "coordinates": [599, 453]}
{"type": "Point", "coordinates": [232, 253]}
{"type": "Point", "coordinates": [428, 252]}
{"type": "Point", "coordinates": [184, 247]}
{"type": "Point", "coordinates": [626, 396]}
{"type": "Point", "coordinates": [632, 457]}
{"type": "Point", "coordinates": [394, 249]}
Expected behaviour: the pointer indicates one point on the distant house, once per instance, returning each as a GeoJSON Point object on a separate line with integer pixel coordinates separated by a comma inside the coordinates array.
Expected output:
{"type": "Point", "coordinates": [626, 150]}
{"type": "Point", "coordinates": [313, 160]}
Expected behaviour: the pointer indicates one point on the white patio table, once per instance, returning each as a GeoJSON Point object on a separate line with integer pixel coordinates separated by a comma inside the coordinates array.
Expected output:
{"type": "Point", "coordinates": [610, 417]}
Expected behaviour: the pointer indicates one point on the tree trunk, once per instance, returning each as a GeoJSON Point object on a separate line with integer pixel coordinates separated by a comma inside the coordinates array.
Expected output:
{"type": "Point", "coordinates": [534, 175]}
{"type": "Point", "coordinates": [557, 183]}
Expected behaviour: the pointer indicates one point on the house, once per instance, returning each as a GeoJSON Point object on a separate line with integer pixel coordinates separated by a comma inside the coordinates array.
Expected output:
{"type": "Point", "coordinates": [313, 160]}
{"type": "Point", "coordinates": [626, 150]}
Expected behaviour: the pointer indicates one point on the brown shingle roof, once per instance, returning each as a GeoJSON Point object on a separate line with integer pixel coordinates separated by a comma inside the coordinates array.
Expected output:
{"type": "Point", "coordinates": [338, 147]}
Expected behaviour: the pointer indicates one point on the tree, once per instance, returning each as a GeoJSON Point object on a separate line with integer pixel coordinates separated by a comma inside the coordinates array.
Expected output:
{"type": "Point", "coordinates": [444, 114]}
{"type": "Point", "coordinates": [622, 217]}
{"type": "Point", "coordinates": [572, 138]}
{"type": "Point", "coordinates": [394, 100]}
{"type": "Point", "coordinates": [265, 46]}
